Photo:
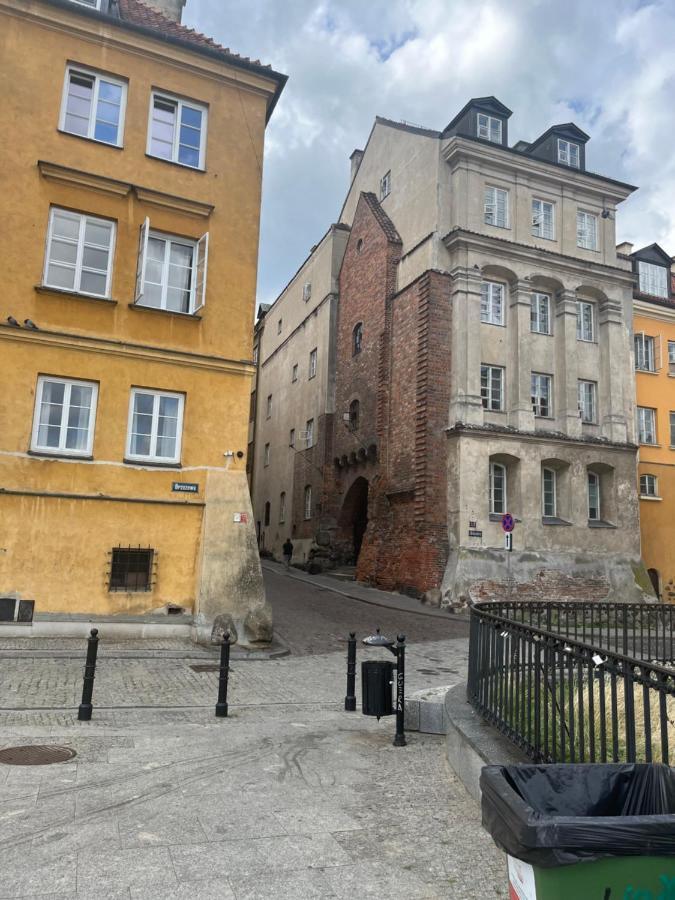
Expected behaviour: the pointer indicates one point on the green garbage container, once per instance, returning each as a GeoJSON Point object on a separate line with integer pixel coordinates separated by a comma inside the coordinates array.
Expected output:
{"type": "Point", "coordinates": [585, 831]}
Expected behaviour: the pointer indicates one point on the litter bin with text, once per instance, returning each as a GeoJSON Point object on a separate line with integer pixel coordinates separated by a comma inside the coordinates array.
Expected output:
{"type": "Point", "coordinates": [586, 831]}
{"type": "Point", "coordinates": [377, 679]}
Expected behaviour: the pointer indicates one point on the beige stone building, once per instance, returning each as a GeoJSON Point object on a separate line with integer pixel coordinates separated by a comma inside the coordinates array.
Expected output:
{"type": "Point", "coordinates": [532, 395]}
{"type": "Point", "coordinates": [294, 402]}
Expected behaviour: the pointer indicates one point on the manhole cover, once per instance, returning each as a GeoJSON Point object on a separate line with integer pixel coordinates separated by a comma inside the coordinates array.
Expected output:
{"type": "Point", "coordinates": [35, 755]}
{"type": "Point", "coordinates": [205, 667]}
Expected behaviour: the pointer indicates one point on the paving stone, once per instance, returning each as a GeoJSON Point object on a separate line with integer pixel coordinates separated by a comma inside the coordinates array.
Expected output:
{"type": "Point", "coordinates": [149, 868]}
{"type": "Point", "coordinates": [301, 885]}
{"type": "Point", "coordinates": [205, 889]}
{"type": "Point", "coordinates": [25, 874]}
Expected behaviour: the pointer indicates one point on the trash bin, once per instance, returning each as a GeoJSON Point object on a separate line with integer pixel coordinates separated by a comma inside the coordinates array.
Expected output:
{"type": "Point", "coordinates": [584, 832]}
{"type": "Point", "coordinates": [377, 678]}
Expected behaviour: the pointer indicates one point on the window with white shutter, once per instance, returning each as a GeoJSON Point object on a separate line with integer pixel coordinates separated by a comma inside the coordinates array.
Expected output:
{"type": "Point", "coordinates": [568, 153]}
{"type": "Point", "coordinates": [540, 313]}
{"type": "Point", "coordinates": [653, 279]}
{"type": "Point", "coordinates": [587, 230]}
{"type": "Point", "coordinates": [496, 207]}
{"type": "Point", "coordinates": [492, 302]}
{"type": "Point", "coordinates": [543, 219]}
{"type": "Point", "coordinates": [171, 272]}
{"type": "Point", "coordinates": [489, 128]}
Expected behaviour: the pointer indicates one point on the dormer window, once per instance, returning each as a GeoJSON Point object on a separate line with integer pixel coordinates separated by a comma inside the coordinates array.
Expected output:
{"type": "Point", "coordinates": [489, 128]}
{"type": "Point", "coordinates": [568, 153]}
{"type": "Point", "coordinates": [653, 279]}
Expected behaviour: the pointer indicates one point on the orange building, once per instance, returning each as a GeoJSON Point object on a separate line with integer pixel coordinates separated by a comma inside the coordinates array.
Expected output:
{"type": "Point", "coordinates": [654, 336]}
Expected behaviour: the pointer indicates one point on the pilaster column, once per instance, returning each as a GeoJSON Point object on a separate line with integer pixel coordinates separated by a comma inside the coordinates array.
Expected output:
{"type": "Point", "coordinates": [465, 401]}
{"type": "Point", "coordinates": [519, 368]}
{"type": "Point", "coordinates": [615, 368]}
{"type": "Point", "coordinates": [566, 372]}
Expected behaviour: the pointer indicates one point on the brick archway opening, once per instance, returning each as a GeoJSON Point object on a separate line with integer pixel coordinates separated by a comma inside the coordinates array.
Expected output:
{"type": "Point", "coordinates": [353, 519]}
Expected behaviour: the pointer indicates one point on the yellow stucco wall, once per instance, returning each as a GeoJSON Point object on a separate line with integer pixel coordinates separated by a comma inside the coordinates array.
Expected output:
{"type": "Point", "coordinates": [54, 542]}
{"type": "Point", "coordinates": [657, 391]}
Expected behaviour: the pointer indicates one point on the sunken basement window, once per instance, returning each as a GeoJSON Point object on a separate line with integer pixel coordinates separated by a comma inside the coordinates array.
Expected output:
{"type": "Point", "coordinates": [131, 569]}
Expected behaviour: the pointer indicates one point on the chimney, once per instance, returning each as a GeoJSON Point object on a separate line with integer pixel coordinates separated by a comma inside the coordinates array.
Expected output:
{"type": "Point", "coordinates": [172, 9]}
{"type": "Point", "coordinates": [624, 249]}
{"type": "Point", "coordinates": [356, 158]}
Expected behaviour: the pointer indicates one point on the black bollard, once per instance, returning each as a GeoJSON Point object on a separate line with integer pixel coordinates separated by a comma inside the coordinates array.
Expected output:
{"type": "Point", "coordinates": [350, 698]}
{"type": "Point", "coordinates": [221, 705]}
{"type": "Point", "coordinates": [399, 738]}
{"type": "Point", "coordinates": [86, 709]}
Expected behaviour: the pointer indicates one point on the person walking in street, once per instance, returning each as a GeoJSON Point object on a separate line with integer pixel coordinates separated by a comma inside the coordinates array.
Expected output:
{"type": "Point", "coordinates": [288, 552]}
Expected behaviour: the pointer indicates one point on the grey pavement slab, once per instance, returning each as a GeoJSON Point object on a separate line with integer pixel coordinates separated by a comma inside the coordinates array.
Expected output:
{"type": "Point", "coordinates": [289, 797]}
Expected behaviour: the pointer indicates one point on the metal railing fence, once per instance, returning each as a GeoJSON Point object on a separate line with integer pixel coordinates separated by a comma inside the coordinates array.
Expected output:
{"type": "Point", "coordinates": [576, 682]}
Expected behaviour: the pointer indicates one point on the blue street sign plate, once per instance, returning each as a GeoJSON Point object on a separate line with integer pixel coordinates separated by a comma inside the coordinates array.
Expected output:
{"type": "Point", "coordinates": [507, 522]}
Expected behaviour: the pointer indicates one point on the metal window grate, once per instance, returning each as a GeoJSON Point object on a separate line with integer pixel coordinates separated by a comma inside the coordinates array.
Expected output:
{"type": "Point", "coordinates": [132, 569]}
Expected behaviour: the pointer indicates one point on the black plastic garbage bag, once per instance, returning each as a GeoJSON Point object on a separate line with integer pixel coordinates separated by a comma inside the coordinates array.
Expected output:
{"type": "Point", "coordinates": [557, 815]}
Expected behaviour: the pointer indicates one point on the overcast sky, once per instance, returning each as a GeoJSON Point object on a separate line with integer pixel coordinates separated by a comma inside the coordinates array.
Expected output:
{"type": "Point", "coordinates": [608, 65]}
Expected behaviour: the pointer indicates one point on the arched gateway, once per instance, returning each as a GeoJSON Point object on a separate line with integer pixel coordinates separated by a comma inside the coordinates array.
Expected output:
{"type": "Point", "coordinates": [353, 519]}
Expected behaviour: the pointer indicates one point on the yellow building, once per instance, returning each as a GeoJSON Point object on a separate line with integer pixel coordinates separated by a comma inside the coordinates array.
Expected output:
{"type": "Point", "coordinates": [654, 328]}
{"type": "Point", "coordinates": [131, 200]}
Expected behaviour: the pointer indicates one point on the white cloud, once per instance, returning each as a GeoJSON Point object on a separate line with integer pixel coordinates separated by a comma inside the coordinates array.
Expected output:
{"type": "Point", "coordinates": [609, 66]}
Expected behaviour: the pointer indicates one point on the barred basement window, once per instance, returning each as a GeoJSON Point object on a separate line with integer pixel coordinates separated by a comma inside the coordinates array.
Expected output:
{"type": "Point", "coordinates": [131, 569]}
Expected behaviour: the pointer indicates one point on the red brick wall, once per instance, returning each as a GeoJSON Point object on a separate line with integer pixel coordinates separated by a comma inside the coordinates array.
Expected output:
{"type": "Point", "coordinates": [401, 379]}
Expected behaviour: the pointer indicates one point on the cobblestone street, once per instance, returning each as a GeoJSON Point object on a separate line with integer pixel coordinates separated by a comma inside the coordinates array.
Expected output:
{"type": "Point", "coordinates": [289, 797]}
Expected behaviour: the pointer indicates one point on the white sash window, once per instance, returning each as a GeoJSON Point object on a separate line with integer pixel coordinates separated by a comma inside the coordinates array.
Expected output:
{"type": "Point", "coordinates": [543, 219]}
{"type": "Point", "coordinates": [93, 106]}
{"type": "Point", "coordinates": [155, 426]}
{"type": "Point", "coordinates": [540, 313]}
{"type": "Point", "coordinates": [65, 411]}
{"type": "Point", "coordinates": [568, 153]}
{"type": "Point", "coordinates": [587, 230]}
{"type": "Point", "coordinates": [489, 128]}
{"type": "Point", "coordinates": [653, 279]}
{"type": "Point", "coordinates": [177, 131]}
{"type": "Point", "coordinates": [79, 253]}
{"type": "Point", "coordinates": [496, 207]}
{"type": "Point", "coordinates": [171, 271]}
{"type": "Point", "coordinates": [492, 303]}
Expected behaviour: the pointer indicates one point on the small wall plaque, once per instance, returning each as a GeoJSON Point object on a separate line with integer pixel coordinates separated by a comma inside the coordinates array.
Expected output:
{"type": "Point", "coordinates": [185, 487]}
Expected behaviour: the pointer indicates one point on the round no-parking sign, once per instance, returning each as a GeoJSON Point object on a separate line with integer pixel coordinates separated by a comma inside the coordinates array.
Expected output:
{"type": "Point", "coordinates": [507, 522]}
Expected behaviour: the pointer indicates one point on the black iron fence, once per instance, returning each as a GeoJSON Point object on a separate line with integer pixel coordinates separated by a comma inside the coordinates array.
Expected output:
{"type": "Point", "coordinates": [576, 682]}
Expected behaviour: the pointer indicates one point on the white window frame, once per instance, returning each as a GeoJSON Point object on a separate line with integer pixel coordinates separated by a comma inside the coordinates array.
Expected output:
{"type": "Point", "coordinates": [543, 219]}
{"type": "Point", "coordinates": [491, 306]}
{"type": "Point", "coordinates": [385, 185]}
{"type": "Point", "coordinates": [582, 334]}
{"type": "Point", "coordinates": [537, 380]}
{"type": "Point", "coordinates": [487, 392]}
{"type": "Point", "coordinates": [593, 486]}
{"type": "Point", "coordinates": [312, 362]}
{"type": "Point", "coordinates": [180, 104]}
{"type": "Point", "coordinates": [94, 4]}
{"type": "Point", "coordinates": [654, 482]}
{"type": "Point", "coordinates": [645, 352]}
{"type": "Point", "coordinates": [309, 434]}
{"type": "Point", "coordinates": [496, 207]}
{"type": "Point", "coordinates": [62, 450]}
{"type": "Point", "coordinates": [535, 312]}
{"type": "Point", "coordinates": [587, 230]}
{"type": "Point", "coordinates": [653, 279]}
{"type": "Point", "coordinates": [583, 395]}
{"type": "Point", "coordinates": [567, 151]}
{"type": "Point", "coordinates": [646, 425]}
{"type": "Point", "coordinates": [152, 456]}
{"type": "Point", "coordinates": [266, 455]}
{"type": "Point", "coordinates": [73, 68]}
{"type": "Point", "coordinates": [83, 218]}
{"type": "Point", "coordinates": [494, 467]}
{"type": "Point", "coordinates": [553, 512]}
{"type": "Point", "coordinates": [308, 501]}
{"type": "Point", "coordinates": [484, 128]}
{"type": "Point", "coordinates": [282, 508]}
{"type": "Point", "coordinates": [200, 262]}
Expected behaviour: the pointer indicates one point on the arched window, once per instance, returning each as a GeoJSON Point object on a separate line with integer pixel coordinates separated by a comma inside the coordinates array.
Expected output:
{"type": "Point", "coordinates": [282, 507]}
{"type": "Point", "coordinates": [354, 410]}
{"type": "Point", "coordinates": [308, 501]}
{"type": "Point", "coordinates": [357, 338]}
{"type": "Point", "coordinates": [268, 507]}
{"type": "Point", "coordinates": [497, 488]}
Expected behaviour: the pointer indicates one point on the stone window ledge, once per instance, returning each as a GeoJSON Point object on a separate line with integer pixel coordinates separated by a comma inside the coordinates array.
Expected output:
{"type": "Point", "coordinates": [554, 520]}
